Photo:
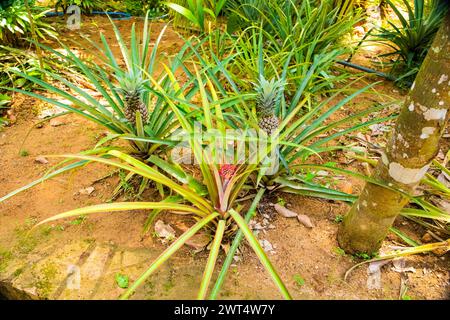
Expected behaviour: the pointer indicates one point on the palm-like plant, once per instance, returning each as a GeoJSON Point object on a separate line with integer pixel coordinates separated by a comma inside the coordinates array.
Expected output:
{"type": "Point", "coordinates": [412, 37]}
{"type": "Point", "coordinates": [86, 6]}
{"type": "Point", "coordinates": [290, 33]}
{"type": "Point", "coordinates": [303, 127]}
{"type": "Point", "coordinates": [15, 24]}
{"type": "Point", "coordinates": [141, 63]}
{"type": "Point", "coordinates": [4, 103]}
{"type": "Point", "coordinates": [195, 11]}
{"type": "Point", "coordinates": [13, 59]}
{"type": "Point", "coordinates": [148, 132]}
{"type": "Point", "coordinates": [210, 199]}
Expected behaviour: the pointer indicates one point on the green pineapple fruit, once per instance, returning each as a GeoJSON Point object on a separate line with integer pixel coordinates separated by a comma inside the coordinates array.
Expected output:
{"type": "Point", "coordinates": [132, 88]}
{"type": "Point", "coordinates": [268, 98]}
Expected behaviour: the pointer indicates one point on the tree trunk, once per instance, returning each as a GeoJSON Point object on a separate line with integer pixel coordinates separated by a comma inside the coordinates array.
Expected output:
{"type": "Point", "coordinates": [412, 146]}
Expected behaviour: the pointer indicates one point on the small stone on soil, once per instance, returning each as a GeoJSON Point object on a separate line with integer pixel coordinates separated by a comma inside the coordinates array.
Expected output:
{"type": "Point", "coordinates": [56, 123]}
{"type": "Point", "coordinates": [87, 191]}
{"type": "Point", "coordinates": [266, 245]}
{"type": "Point", "coordinates": [199, 241]}
{"type": "Point", "coordinates": [163, 230]}
{"type": "Point", "coordinates": [41, 160]}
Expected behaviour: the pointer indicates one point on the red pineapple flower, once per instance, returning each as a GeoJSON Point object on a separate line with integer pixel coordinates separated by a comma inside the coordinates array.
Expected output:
{"type": "Point", "coordinates": [227, 171]}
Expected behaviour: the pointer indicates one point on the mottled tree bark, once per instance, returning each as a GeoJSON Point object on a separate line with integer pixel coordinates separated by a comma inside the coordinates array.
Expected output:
{"type": "Point", "coordinates": [413, 144]}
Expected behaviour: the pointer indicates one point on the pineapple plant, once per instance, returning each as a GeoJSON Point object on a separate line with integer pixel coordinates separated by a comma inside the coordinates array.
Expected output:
{"type": "Point", "coordinates": [268, 99]}
{"type": "Point", "coordinates": [269, 94]}
{"type": "Point", "coordinates": [132, 88]}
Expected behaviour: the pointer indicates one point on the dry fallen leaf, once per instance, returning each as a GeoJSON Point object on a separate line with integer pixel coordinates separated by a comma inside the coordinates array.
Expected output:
{"type": "Point", "coordinates": [441, 203]}
{"type": "Point", "coordinates": [346, 187]}
{"type": "Point", "coordinates": [226, 247]}
{"type": "Point", "coordinates": [12, 119]}
{"type": "Point", "coordinates": [284, 212]}
{"type": "Point", "coordinates": [444, 179]}
{"type": "Point", "coordinates": [374, 274]}
{"type": "Point", "coordinates": [427, 237]}
{"type": "Point", "coordinates": [399, 266]}
{"type": "Point", "coordinates": [305, 220]}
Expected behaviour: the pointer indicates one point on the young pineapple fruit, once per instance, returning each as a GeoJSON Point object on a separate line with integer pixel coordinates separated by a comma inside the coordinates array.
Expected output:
{"type": "Point", "coordinates": [132, 89]}
{"type": "Point", "coordinates": [268, 98]}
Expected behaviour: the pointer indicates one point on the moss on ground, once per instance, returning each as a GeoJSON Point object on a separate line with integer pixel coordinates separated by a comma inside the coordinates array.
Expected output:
{"type": "Point", "coordinates": [5, 258]}
{"type": "Point", "coordinates": [45, 279]}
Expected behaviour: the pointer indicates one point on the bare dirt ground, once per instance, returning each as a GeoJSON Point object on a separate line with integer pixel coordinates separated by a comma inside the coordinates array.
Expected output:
{"type": "Point", "coordinates": [310, 254]}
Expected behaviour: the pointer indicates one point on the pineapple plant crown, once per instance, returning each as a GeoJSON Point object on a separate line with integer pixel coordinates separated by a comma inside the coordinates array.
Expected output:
{"type": "Point", "coordinates": [268, 95]}
{"type": "Point", "coordinates": [131, 83]}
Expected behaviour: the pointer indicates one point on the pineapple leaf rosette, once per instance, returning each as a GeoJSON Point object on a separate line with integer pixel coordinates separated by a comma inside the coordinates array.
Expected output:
{"type": "Point", "coordinates": [209, 195]}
